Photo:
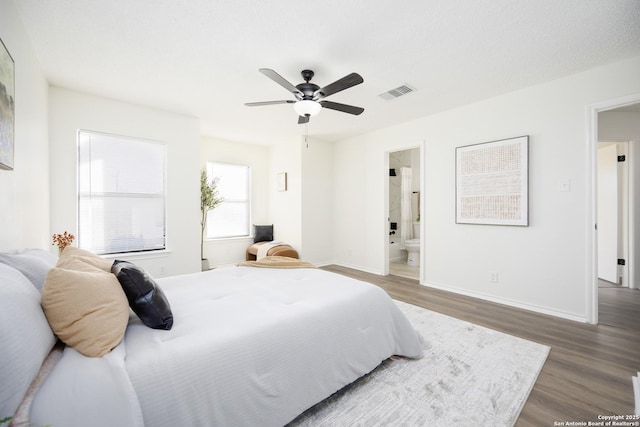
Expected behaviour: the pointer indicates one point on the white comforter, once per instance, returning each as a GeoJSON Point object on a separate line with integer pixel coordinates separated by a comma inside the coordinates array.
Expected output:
{"type": "Point", "coordinates": [249, 346]}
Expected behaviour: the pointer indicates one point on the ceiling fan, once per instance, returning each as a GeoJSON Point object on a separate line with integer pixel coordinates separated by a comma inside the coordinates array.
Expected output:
{"type": "Point", "coordinates": [310, 97]}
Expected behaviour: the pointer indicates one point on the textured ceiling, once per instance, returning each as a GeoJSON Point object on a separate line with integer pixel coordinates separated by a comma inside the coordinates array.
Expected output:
{"type": "Point", "coordinates": [201, 57]}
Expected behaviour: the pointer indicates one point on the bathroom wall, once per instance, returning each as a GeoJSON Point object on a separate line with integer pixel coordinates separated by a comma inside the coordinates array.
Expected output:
{"type": "Point", "coordinates": [398, 159]}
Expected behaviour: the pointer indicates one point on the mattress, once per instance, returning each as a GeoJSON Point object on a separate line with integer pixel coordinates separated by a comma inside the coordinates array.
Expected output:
{"type": "Point", "coordinates": [249, 346]}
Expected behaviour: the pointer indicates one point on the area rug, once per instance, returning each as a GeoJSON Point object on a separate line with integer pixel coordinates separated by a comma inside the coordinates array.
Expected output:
{"type": "Point", "coordinates": [469, 376]}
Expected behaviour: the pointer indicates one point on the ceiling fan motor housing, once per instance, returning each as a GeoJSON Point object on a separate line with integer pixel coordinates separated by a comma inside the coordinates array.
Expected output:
{"type": "Point", "coordinates": [307, 89]}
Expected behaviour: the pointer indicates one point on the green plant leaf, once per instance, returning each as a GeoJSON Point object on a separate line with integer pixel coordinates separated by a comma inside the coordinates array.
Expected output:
{"type": "Point", "coordinates": [209, 199]}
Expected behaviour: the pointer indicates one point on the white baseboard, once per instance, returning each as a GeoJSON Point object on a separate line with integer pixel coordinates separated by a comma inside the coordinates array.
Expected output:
{"type": "Point", "coordinates": [479, 295]}
{"type": "Point", "coordinates": [225, 265]}
{"type": "Point", "coordinates": [510, 302]}
{"type": "Point", "coordinates": [321, 263]}
{"type": "Point", "coordinates": [357, 267]}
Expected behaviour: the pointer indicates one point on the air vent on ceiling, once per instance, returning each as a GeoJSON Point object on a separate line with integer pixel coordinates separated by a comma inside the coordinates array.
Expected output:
{"type": "Point", "coordinates": [397, 92]}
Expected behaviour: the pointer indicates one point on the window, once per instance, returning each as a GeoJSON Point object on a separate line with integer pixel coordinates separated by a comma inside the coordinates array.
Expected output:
{"type": "Point", "coordinates": [232, 217]}
{"type": "Point", "coordinates": [121, 194]}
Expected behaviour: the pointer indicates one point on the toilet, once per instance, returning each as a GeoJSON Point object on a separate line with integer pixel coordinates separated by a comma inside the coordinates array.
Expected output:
{"type": "Point", "coordinates": [413, 247]}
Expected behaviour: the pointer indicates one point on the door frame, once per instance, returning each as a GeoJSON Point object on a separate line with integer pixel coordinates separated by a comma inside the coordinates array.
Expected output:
{"type": "Point", "coordinates": [626, 211]}
{"type": "Point", "coordinates": [592, 112]}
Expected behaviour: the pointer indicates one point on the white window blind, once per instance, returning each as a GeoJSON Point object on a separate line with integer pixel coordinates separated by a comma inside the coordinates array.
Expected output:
{"type": "Point", "coordinates": [121, 194]}
{"type": "Point", "coordinates": [232, 217]}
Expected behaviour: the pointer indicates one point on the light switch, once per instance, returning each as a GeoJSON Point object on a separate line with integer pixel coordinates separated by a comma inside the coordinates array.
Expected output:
{"type": "Point", "coordinates": [565, 186]}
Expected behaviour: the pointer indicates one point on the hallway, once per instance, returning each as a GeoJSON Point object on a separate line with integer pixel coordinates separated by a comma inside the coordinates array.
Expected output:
{"type": "Point", "coordinates": [618, 306]}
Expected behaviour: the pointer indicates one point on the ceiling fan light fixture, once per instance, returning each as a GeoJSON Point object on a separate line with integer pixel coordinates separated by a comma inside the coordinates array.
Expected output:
{"type": "Point", "coordinates": [307, 107]}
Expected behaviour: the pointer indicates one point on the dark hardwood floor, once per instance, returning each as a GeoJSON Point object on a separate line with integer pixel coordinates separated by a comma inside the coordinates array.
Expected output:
{"type": "Point", "coordinates": [588, 371]}
{"type": "Point", "coordinates": [618, 306]}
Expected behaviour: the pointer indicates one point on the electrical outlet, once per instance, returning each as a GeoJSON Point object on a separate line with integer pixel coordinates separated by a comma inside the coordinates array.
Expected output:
{"type": "Point", "coordinates": [493, 276]}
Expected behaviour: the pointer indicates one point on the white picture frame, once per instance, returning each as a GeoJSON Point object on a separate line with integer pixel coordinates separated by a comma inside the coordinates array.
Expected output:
{"type": "Point", "coordinates": [492, 182]}
{"type": "Point", "coordinates": [282, 181]}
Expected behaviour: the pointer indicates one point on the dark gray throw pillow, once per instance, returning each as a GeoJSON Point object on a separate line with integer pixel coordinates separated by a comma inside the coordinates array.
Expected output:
{"type": "Point", "coordinates": [263, 233]}
{"type": "Point", "coordinates": [146, 299]}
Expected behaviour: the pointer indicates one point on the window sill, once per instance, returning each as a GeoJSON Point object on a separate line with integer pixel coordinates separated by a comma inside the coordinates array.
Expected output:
{"type": "Point", "coordinates": [228, 239]}
{"type": "Point", "coordinates": [139, 255]}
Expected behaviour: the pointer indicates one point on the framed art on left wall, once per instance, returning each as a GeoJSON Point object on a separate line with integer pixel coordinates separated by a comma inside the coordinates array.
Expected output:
{"type": "Point", "coordinates": [7, 108]}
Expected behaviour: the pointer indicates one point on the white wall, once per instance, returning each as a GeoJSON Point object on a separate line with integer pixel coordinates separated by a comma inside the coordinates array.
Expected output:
{"type": "Point", "coordinates": [286, 206]}
{"type": "Point", "coordinates": [302, 216]}
{"type": "Point", "coordinates": [24, 192]}
{"type": "Point", "coordinates": [70, 111]}
{"type": "Point", "coordinates": [229, 251]}
{"type": "Point", "coordinates": [618, 126]}
{"type": "Point", "coordinates": [397, 160]}
{"type": "Point", "coordinates": [317, 202]}
{"type": "Point", "coordinates": [542, 267]}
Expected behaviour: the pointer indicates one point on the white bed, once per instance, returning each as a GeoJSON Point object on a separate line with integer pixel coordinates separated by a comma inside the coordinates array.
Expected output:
{"type": "Point", "coordinates": [249, 346]}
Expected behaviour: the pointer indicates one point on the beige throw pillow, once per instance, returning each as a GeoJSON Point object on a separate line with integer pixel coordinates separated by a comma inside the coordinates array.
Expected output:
{"type": "Point", "coordinates": [74, 258]}
{"type": "Point", "coordinates": [86, 307]}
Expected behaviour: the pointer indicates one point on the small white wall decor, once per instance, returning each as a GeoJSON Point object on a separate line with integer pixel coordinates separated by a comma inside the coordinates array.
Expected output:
{"type": "Point", "coordinates": [282, 181]}
{"type": "Point", "coordinates": [492, 182]}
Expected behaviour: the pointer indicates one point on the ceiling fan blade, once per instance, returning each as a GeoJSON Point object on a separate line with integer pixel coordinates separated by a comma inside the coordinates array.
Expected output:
{"type": "Point", "coordinates": [344, 83]}
{"type": "Point", "coordinates": [303, 119]}
{"type": "Point", "coordinates": [342, 107]}
{"type": "Point", "coordinates": [280, 80]}
{"type": "Point", "coordinates": [257, 104]}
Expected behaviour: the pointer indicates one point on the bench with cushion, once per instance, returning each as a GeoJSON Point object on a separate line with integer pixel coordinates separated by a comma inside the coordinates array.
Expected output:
{"type": "Point", "coordinates": [263, 235]}
{"type": "Point", "coordinates": [280, 249]}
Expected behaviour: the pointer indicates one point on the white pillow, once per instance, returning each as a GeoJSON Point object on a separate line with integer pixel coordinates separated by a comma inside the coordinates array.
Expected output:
{"type": "Point", "coordinates": [26, 337]}
{"type": "Point", "coordinates": [33, 263]}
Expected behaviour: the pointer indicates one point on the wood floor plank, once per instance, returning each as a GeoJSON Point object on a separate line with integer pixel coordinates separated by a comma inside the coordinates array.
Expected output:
{"type": "Point", "coordinates": [619, 306]}
{"type": "Point", "coordinates": [589, 368]}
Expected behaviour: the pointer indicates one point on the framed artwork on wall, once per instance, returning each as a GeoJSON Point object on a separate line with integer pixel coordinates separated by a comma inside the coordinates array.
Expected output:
{"type": "Point", "coordinates": [7, 108]}
{"type": "Point", "coordinates": [492, 182]}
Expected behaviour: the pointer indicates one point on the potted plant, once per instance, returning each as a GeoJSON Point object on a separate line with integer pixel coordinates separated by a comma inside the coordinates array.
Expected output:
{"type": "Point", "coordinates": [209, 199]}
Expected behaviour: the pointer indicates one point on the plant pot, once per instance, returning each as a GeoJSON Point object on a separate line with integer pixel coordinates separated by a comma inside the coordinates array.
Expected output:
{"type": "Point", "coordinates": [205, 265]}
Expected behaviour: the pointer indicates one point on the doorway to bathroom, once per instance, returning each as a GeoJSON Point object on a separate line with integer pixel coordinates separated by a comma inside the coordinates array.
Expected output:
{"type": "Point", "coordinates": [404, 205]}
